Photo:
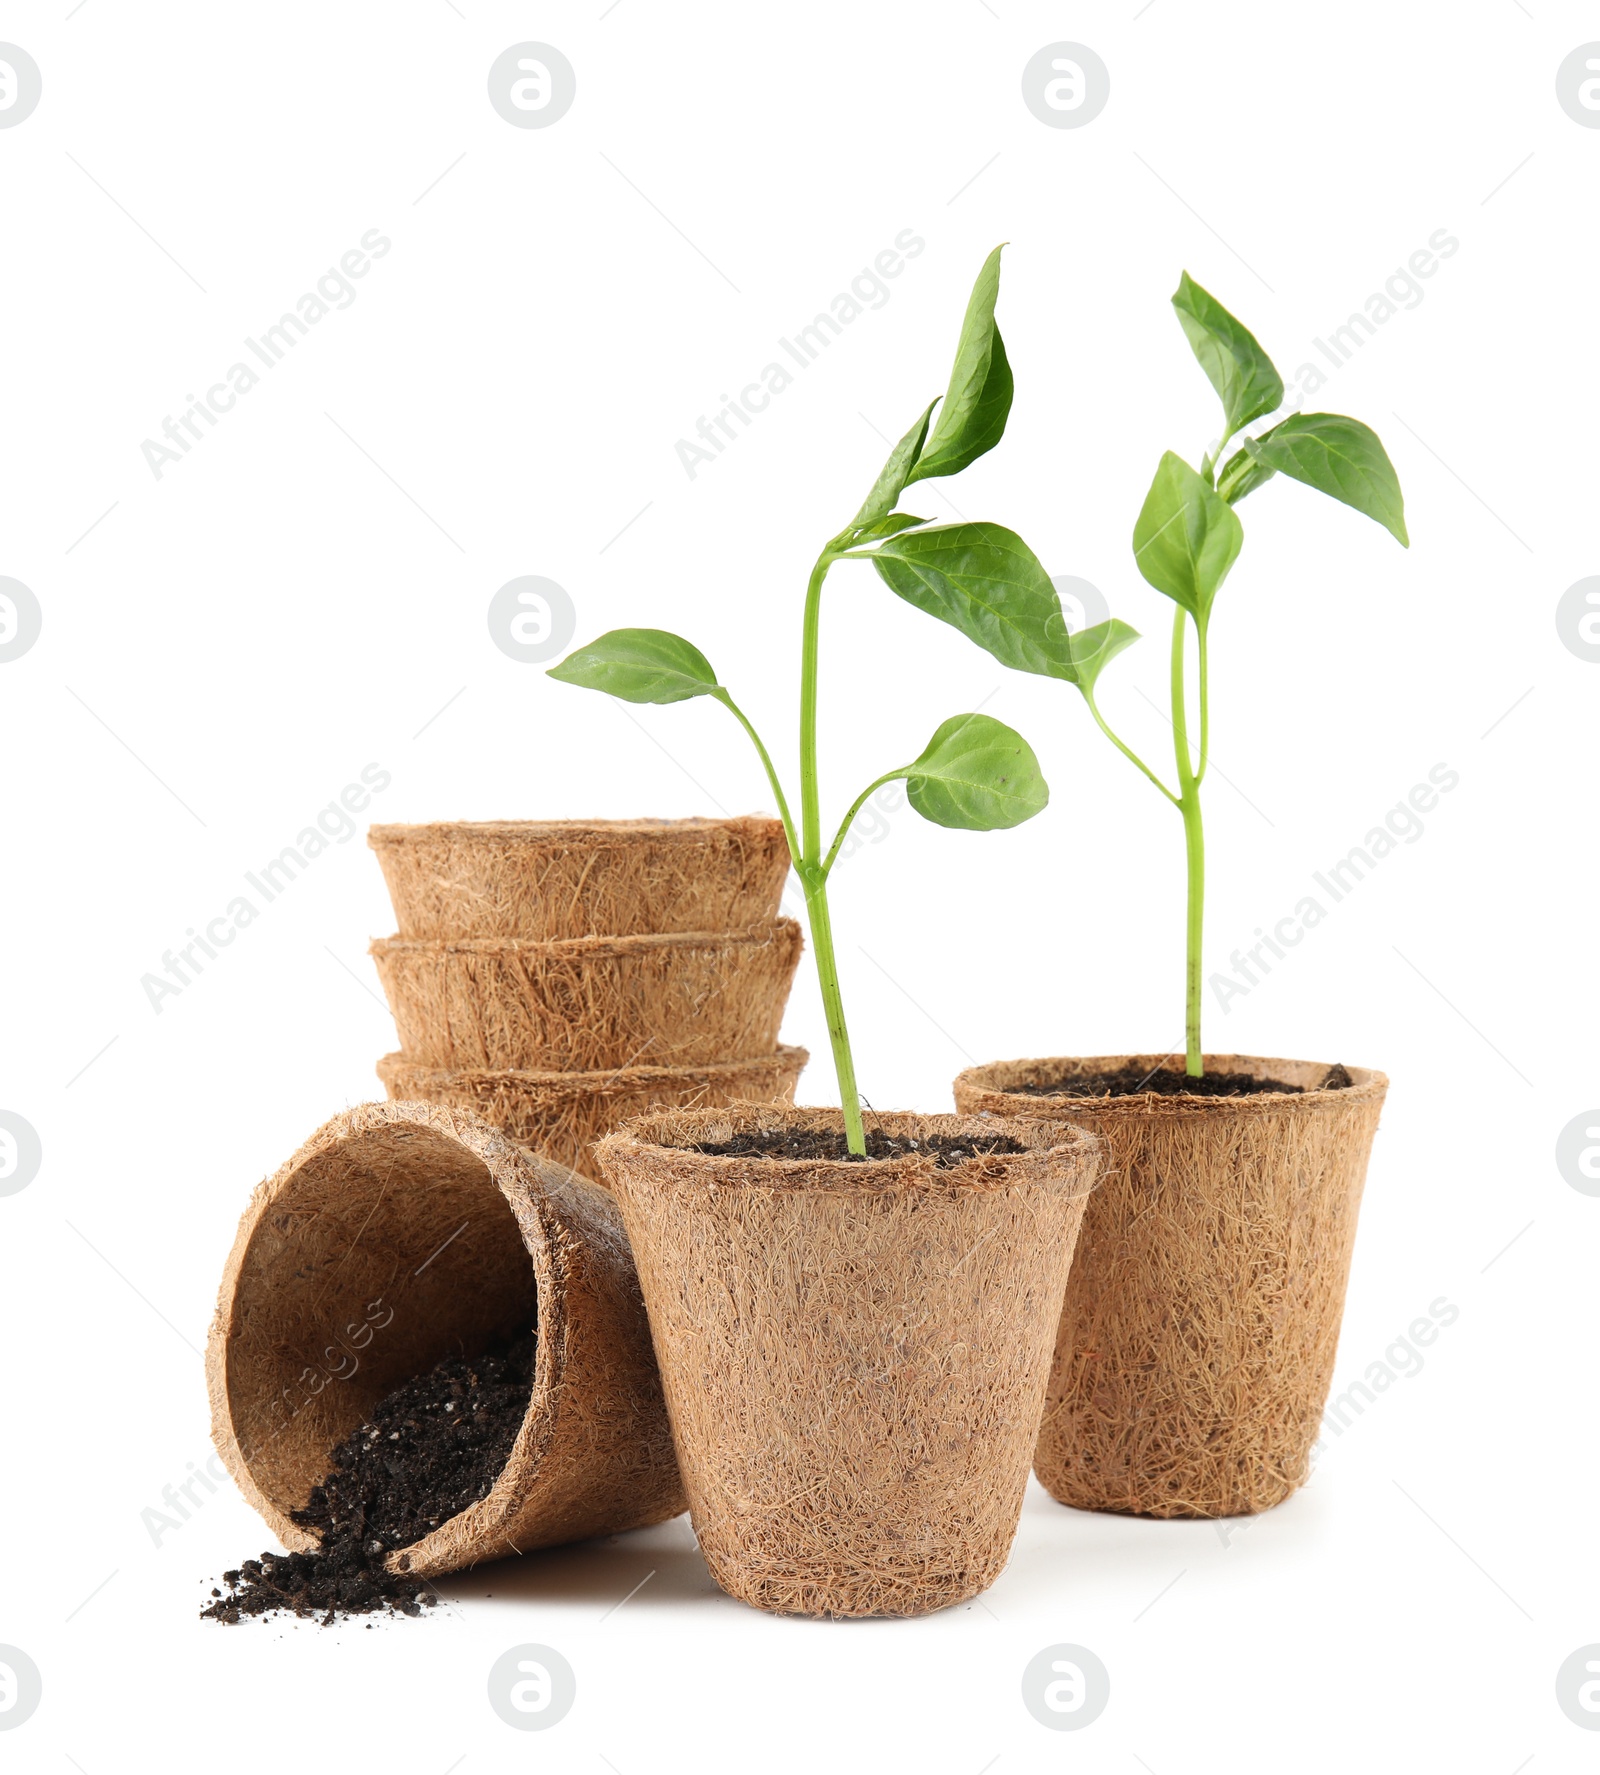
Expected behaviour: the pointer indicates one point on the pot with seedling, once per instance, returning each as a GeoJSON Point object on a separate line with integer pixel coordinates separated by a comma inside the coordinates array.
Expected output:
{"type": "Point", "coordinates": [1201, 1318]}
{"type": "Point", "coordinates": [854, 1325]}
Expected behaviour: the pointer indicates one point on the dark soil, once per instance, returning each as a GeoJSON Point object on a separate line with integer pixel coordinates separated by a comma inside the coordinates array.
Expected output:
{"type": "Point", "coordinates": [1165, 1082]}
{"type": "Point", "coordinates": [802, 1143]}
{"type": "Point", "coordinates": [433, 1447]}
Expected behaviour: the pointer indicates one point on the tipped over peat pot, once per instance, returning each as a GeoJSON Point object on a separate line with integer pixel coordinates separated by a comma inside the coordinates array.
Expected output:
{"type": "Point", "coordinates": [544, 880]}
{"type": "Point", "coordinates": [854, 1352]}
{"type": "Point", "coordinates": [402, 1234]}
{"type": "Point", "coordinates": [587, 1003]}
{"type": "Point", "coordinates": [1201, 1316]}
{"type": "Point", "coordinates": [562, 1114]}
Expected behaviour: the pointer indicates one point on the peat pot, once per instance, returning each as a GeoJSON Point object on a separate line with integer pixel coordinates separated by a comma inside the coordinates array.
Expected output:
{"type": "Point", "coordinates": [404, 1233]}
{"type": "Point", "coordinates": [542, 880]}
{"type": "Point", "coordinates": [589, 1003]}
{"type": "Point", "coordinates": [854, 1352]}
{"type": "Point", "coordinates": [1202, 1313]}
{"type": "Point", "coordinates": [562, 1114]}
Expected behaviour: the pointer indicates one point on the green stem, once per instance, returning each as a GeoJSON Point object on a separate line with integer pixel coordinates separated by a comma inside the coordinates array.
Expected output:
{"type": "Point", "coordinates": [1212, 461]}
{"type": "Point", "coordinates": [1194, 839]}
{"type": "Point", "coordinates": [812, 871]}
{"type": "Point", "coordinates": [813, 881]}
{"type": "Point", "coordinates": [1126, 751]}
{"type": "Point", "coordinates": [1201, 630]}
{"type": "Point", "coordinates": [833, 1007]}
{"type": "Point", "coordinates": [1194, 852]}
{"type": "Point", "coordinates": [766, 764]}
{"type": "Point", "coordinates": [888, 776]}
{"type": "Point", "coordinates": [810, 802]}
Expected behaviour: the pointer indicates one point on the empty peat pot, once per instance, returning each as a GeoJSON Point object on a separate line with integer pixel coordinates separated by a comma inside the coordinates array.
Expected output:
{"type": "Point", "coordinates": [547, 879]}
{"type": "Point", "coordinates": [405, 1233]}
{"type": "Point", "coordinates": [562, 1114]}
{"type": "Point", "coordinates": [854, 1352]}
{"type": "Point", "coordinates": [1202, 1313]}
{"type": "Point", "coordinates": [587, 1003]}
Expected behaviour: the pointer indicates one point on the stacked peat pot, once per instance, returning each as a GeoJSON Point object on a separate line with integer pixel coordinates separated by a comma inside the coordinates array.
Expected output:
{"type": "Point", "coordinates": [557, 977]}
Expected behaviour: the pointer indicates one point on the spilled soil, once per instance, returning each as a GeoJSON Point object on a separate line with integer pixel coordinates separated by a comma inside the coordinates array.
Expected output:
{"type": "Point", "coordinates": [430, 1449]}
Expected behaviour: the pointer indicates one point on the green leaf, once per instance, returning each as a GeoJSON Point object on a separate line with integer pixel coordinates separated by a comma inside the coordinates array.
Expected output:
{"type": "Point", "coordinates": [978, 400]}
{"type": "Point", "coordinates": [889, 526]}
{"type": "Point", "coordinates": [1236, 366]}
{"type": "Point", "coordinates": [640, 666]}
{"type": "Point", "coordinates": [1186, 537]}
{"type": "Point", "coordinates": [1242, 474]}
{"type": "Point", "coordinates": [984, 580]}
{"type": "Point", "coordinates": [1094, 649]}
{"type": "Point", "coordinates": [1340, 457]}
{"type": "Point", "coordinates": [893, 476]}
{"type": "Point", "coordinates": [976, 774]}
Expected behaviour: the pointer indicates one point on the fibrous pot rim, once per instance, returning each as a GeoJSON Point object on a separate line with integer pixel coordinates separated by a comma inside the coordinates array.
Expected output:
{"type": "Point", "coordinates": [577, 1081]}
{"type": "Point", "coordinates": [589, 948]}
{"type": "Point", "coordinates": [598, 832]}
{"type": "Point", "coordinates": [660, 1143]}
{"type": "Point", "coordinates": [1366, 1084]}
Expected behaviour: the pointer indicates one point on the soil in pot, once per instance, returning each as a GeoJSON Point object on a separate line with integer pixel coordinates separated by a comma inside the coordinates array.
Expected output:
{"type": "Point", "coordinates": [429, 1450]}
{"type": "Point", "coordinates": [819, 1143]}
{"type": "Point", "coordinates": [1131, 1081]}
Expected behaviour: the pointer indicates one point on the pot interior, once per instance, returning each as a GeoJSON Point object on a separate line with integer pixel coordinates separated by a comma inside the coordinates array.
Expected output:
{"type": "Point", "coordinates": [374, 1260]}
{"type": "Point", "coordinates": [1017, 1075]}
{"type": "Point", "coordinates": [686, 1130]}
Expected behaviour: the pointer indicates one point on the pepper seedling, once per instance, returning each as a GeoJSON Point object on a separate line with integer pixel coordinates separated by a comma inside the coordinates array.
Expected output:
{"type": "Point", "coordinates": [975, 774]}
{"type": "Point", "coordinates": [1188, 536]}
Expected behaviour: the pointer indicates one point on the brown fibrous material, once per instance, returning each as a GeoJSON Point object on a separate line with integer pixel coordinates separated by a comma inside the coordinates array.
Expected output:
{"type": "Point", "coordinates": [854, 1353]}
{"type": "Point", "coordinates": [543, 880]}
{"type": "Point", "coordinates": [562, 1114]}
{"type": "Point", "coordinates": [588, 1003]}
{"type": "Point", "coordinates": [404, 1233]}
{"type": "Point", "coordinates": [1202, 1314]}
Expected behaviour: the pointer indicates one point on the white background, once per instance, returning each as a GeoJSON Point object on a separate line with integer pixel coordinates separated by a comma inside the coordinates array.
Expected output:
{"type": "Point", "coordinates": [228, 645]}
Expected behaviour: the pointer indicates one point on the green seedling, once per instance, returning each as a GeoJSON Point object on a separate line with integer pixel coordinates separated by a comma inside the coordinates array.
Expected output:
{"type": "Point", "coordinates": [1185, 541]}
{"type": "Point", "coordinates": [1187, 538]}
{"type": "Point", "coordinates": [975, 774]}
